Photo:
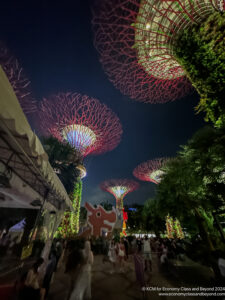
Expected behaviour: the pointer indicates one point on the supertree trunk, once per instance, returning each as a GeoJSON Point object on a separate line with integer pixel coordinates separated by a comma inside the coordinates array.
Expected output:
{"type": "Point", "coordinates": [119, 203]}
{"type": "Point", "coordinates": [52, 221]}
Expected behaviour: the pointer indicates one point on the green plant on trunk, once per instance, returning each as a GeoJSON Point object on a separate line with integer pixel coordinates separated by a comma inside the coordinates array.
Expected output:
{"type": "Point", "coordinates": [200, 50]}
{"type": "Point", "coordinates": [69, 226]}
{"type": "Point", "coordinates": [76, 201]}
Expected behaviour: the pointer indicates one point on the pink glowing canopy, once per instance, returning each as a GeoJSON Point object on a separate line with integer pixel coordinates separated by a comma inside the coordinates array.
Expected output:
{"type": "Point", "coordinates": [88, 125]}
{"type": "Point", "coordinates": [119, 188]}
{"type": "Point", "coordinates": [151, 170]}
{"type": "Point", "coordinates": [135, 41]}
{"type": "Point", "coordinates": [17, 79]}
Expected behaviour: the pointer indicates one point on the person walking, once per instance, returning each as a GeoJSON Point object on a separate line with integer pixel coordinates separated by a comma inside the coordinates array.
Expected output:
{"type": "Point", "coordinates": [164, 255]}
{"type": "Point", "coordinates": [139, 244]}
{"type": "Point", "coordinates": [112, 255]}
{"type": "Point", "coordinates": [82, 286]}
{"type": "Point", "coordinates": [49, 272]}
{"type": "Point", "coordinates": [73, 268]}
{"type": "Point", "coordinates": [147, 254]}
{"type": "Point", "coordinates": [121, 254]}
{"type": "Point", "coordinates": [59, 250]}
{"type": "Point", "coordinates": [134, 245]}
{"type": "Point", "coordinates": [126, 246]}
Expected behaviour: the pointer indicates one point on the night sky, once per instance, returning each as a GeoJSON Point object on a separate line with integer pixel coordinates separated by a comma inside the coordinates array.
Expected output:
{"type": "Point", "coordinates": [53, 41]}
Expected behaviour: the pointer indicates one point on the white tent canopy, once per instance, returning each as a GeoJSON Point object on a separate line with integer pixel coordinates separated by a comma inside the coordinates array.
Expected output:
{"type": "Point", "coordinates": [23, 158]}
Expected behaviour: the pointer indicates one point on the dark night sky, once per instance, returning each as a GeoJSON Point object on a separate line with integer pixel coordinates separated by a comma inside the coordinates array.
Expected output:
{"type": "Point", "coordinates": [53, 41]}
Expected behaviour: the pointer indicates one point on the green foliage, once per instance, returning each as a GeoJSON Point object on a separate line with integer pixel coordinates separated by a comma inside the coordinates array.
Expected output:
{"type": "Point", "coordinates": [106, 205]}
{"type": "Point", "coordinates": [175, 192]}
{"type": "Point", "coordinates": [64, 159]}
{"type": "Point", "coordinates": [135, 221]}
{"type": "Point", "coordinates": [200, 50]}
{"type": "Point", "coordinates": [192, 186]}
{"type": "Point", "coordinates": [76, 201]}
{"type": "Point", "coordinates": [205, 155]}
{"type": "Point", "coordinates": [69, 227]}
{"type": "Point", "coordinates": [153, 220]}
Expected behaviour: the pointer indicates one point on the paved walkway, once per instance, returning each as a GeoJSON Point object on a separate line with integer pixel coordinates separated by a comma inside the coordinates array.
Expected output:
{"type": "Point", "coordinates": [123, 286]}
{"type": "Point", "coordinates": [116, 286]}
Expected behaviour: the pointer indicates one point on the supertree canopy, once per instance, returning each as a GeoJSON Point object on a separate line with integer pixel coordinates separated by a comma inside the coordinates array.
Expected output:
{"type": "Point", "coordinates": [150, 170]}
{"type": "Point", "coordinates": [88, 125]}
{"type": "Point", "coordinates": [157, 25]}
{"type": "Point", "coordinates": [17, 79]}
{"type": "Point", "coordinates": [135, 41]}
{"type": "Point", "coordinates": [119, 188]}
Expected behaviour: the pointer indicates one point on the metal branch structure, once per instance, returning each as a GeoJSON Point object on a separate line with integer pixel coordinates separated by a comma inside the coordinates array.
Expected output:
{"type": "Point", "coordinates": [119, 188]}
{"type": "Point", "coordinates": [157, 26]}
{"type": "Point", "coordinates": [150, 170]}
{"type": "Point", "coordinates": [135, 41]}
{"type": "Point", "coordinates": [88, 125]}
{"type": "Point", "coordinates": [17, 79]}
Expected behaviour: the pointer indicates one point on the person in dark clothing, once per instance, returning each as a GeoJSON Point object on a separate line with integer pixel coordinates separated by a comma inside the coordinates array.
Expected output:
{"type": "Point", "coordinates": [49, 272]}
{"type": "Point", "coordinates": [126, 245]}
{"type": "Point", "coordinates": [59, 250]}
{"type": "Point", "coordinates": [139, 245]}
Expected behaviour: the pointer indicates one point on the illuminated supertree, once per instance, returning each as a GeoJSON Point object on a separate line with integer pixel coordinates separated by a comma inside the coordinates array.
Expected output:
{"type": "Point", "coordinates": [173, 228]}
{"type": "Point", "coordinates": [17, 79]}
{"type": "Point", "coordinates": [170, 227]}
{"type": "Point", "coordinates": [86, 124]}
{"type": "Point", "coordinates": [119, 188]}
{"type": "Point", "coordinates": [150, 170]}
{"type": "Point", "coordinates": [178, 229]}
{"type": "Point", "coordinates": [135, 40]}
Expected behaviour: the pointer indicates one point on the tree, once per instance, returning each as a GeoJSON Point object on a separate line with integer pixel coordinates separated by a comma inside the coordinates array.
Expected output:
{"type": "Point", "coordinates": [205, 154]}
{"type": "Point", "coordinates": [192, 187]}
{"type": "Point", "coordinates": [135, 221]}
{"type": "Point", "coordinates": [200, 51]}
{"type": "Point", "coordinates": [106, 205]}
{"type": "Point", "coordinates": [178, 193]}
{"type": "Point", "coordinates": [151, 217]}
{"type": "Point", "coordinates": [64, 159]}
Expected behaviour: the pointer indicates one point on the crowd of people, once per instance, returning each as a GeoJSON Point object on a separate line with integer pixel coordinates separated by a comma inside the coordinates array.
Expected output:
{"type": "Point", "coordinates": [75, 262]}
{"type": "Point", "coordinates": [35, 284]}
{"type": "Point", "coordinates": [164, 249]}
{"type": "Point", "coordinates": [75, 259]}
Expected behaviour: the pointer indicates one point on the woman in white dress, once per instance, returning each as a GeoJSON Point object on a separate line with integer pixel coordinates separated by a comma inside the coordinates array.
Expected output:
{"type": "Point", "coordinates": [112, 255]}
